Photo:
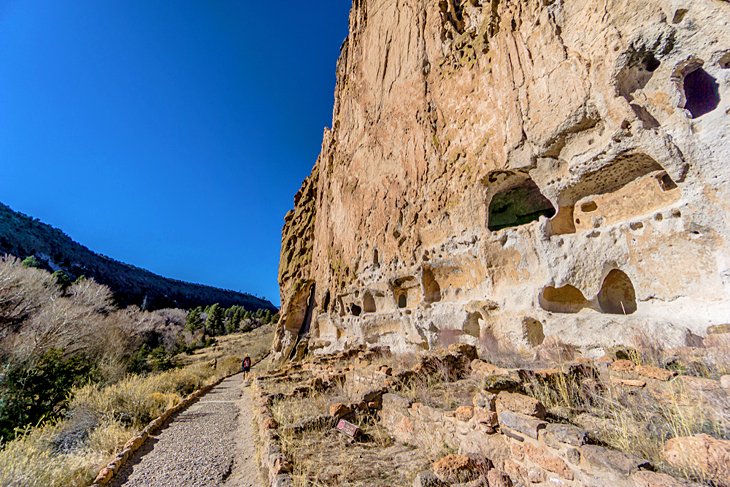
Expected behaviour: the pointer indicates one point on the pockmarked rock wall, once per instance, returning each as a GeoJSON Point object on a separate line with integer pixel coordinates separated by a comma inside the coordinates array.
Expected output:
{"type": "Point", "coordinates": [502, 171]}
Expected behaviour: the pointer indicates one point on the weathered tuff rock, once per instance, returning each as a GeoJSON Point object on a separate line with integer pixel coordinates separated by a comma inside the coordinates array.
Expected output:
{"type": "Point", "coordinates": [501, 171]}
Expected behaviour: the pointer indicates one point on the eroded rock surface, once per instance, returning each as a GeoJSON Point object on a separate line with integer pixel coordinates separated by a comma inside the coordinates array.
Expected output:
{"type": "Point", "coordinates": [503, 171]}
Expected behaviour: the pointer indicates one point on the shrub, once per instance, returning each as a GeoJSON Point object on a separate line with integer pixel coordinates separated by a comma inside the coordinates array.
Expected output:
{"type": "Point", "coordinates": [30, 393]}
{"type": "Point", "coordinates": [32, 262]}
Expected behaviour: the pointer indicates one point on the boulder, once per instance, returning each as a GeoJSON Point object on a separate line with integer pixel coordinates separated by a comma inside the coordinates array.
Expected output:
{"type": "Point", "coordinates": [612, 460]}
{"type": "Point", "coordinates": [520, 403]}
{"type": "Point", "coordinates": [702, 454]}
{"type": "Point", "coordinates": [464, 413]}
{"type": "Point", "coordinates": [455, 468]}
{"type": "Point", "coordinates": [655, 372]}
{"type": "Point", "coordinates": [557, 435]}
{"type": "Point", "coordinates": [521, 423]}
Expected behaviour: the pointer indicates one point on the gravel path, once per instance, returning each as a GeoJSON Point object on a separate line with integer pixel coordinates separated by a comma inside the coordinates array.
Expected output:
{"type": "Point", "coordinates": [205, 445]}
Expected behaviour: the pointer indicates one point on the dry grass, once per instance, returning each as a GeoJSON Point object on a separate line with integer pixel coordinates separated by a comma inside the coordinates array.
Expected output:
{"type": "Point", "coordinates": [638, 422]}
{"type": "Point", "coordinates": [256, 344]}
{"type": "Point", "coordinates": [120, 410]}
{"type": "Point", "coordinates": [33, 460]}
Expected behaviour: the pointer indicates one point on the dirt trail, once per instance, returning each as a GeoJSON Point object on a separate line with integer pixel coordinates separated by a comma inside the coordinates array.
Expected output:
{"type": "Point", "coordinates": [211, 443]}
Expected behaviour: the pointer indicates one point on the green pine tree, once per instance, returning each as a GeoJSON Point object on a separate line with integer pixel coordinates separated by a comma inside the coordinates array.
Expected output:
{"type": "Point", "coordinates": [194, 320]}
{"type": "Point", "coordinates": [214, 323]}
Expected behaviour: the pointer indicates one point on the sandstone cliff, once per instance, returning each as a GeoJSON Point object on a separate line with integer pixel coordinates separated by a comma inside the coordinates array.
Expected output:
{"type": "Point", "coordinates": [501, 171]}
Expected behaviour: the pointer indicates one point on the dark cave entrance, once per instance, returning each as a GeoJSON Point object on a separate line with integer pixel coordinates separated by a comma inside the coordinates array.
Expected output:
{"type": "Point", "coordinates": [518, 206]}
{"type": "Point", "coordinates": [701, 92]}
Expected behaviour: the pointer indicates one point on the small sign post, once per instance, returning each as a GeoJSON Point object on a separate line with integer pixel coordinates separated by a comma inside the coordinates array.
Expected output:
{"type": "Point", "coordinates": [348, 428]}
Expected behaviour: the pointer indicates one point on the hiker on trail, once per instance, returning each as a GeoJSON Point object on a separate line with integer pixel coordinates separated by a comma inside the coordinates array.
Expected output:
{"type": "Point", "coordinates": [246, 365]}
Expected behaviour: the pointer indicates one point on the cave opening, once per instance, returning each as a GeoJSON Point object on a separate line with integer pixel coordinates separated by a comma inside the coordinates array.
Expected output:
{"type": "Point", "coordinates": [617, 295]}
{"type": "Point", "coordinates": [565, 299]}
{"type": "Point", "coordinates": [702, 93]}
{"type": "Point", "coordinates": [518, 205]}
{"type": "Point", "coordinates": [368, 303]}
{"type": "Point", "coordinates": [355, 310]}
{"type": "Point", "coordinates": [402, 301]}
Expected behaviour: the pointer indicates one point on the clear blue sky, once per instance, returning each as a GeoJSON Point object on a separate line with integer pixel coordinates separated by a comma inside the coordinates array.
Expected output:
{"type": "Point", "coordinates": [171, 135]}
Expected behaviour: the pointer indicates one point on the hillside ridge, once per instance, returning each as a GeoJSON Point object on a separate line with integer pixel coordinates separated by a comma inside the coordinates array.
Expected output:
{"type": "Point", "coordinates": [22, 235]}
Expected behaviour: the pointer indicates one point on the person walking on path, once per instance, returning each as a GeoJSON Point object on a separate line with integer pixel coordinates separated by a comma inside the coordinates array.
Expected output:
{"type": "Point", "coordinates": [246, 365]}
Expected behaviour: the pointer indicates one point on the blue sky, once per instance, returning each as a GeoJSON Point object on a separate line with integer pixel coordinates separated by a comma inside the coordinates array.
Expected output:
{"type": "Point", "coordinates": [169, 135]}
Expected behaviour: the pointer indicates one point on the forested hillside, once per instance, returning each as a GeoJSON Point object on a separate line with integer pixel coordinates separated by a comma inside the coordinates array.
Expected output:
{"type": "Point", "coordinates": [23, 236]}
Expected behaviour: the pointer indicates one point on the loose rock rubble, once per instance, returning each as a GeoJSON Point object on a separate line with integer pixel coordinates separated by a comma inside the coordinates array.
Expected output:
{"type": "Point", "coordinates": [464, 431]}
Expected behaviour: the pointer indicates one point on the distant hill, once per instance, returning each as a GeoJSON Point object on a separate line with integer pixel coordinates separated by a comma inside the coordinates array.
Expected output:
{"type": "Point", "coordinates": [22, 236]}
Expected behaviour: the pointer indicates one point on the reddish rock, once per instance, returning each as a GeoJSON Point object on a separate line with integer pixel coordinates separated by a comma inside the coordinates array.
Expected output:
{"type": "Point", "coordinates": [482, 368]}
{"type": "Point", "coordinates": [105, 475]}
{"type": "Point", "coordinates": [134, 443]}
{"type": "Point", "coordinates": [520, 403]}
{"type": "Point", "coordinates": [460, 468]}
{"type": "Point", "coordinates": [623, 366]}
{"type": "Point", "coordinates": [548, 461]}
{"type": "Point", "coordinates": [464, 413]}
{"type": "Point", "coordinates": [498, 478]}
{"type": "Point", "coordinates": [339, 410]}
{"type": "Point", "coordinates": [655, 372]}
{"type": "Point", "coordinates": [701, 453]}
{"type": "Point", "coordinates": [453, 468]}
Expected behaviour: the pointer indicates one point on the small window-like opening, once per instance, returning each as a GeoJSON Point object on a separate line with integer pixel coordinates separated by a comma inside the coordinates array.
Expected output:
{"type": "Point", "coordinates": [518, 206]}
{"type": "Point", "coordinates": [617, 295]}
{"type": "Point", "coordinates": [368, 303]}
{"type": "Point", "coordinates": [326, 302]}
{"type": "Point", "coordinates": [588, 206]}
{"type": "Point", "coordinates": [701, 92]}
{"type": "Point", "coordinates": [355, 310]}
{"type": "Point", "coordinates": [566, 299]}
{"type": "Point", "coordinates": [666, 182]}
{"type": "Point", "coordinates": [376, 258]}
{"type": "Point", "coordinates": [402, 301]}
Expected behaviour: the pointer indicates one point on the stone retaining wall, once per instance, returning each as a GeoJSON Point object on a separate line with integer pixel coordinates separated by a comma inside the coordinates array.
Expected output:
{"type": "Point", "coordinates": [271, 458]}
{"type": "Point", "coordinates": [525, 447]}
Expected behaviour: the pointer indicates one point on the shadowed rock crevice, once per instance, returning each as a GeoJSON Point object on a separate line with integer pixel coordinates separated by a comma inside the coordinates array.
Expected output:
{"type": "Point", "coordinates": [518, 205]}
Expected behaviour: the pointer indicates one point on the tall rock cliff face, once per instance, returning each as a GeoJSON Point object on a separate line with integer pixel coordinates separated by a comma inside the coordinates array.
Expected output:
{"type": "Point", "coordinates": [501, 171]}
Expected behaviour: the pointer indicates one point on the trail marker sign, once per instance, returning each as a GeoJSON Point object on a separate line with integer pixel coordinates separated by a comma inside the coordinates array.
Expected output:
{"type": "Point", "coordinates": [347, 428]}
